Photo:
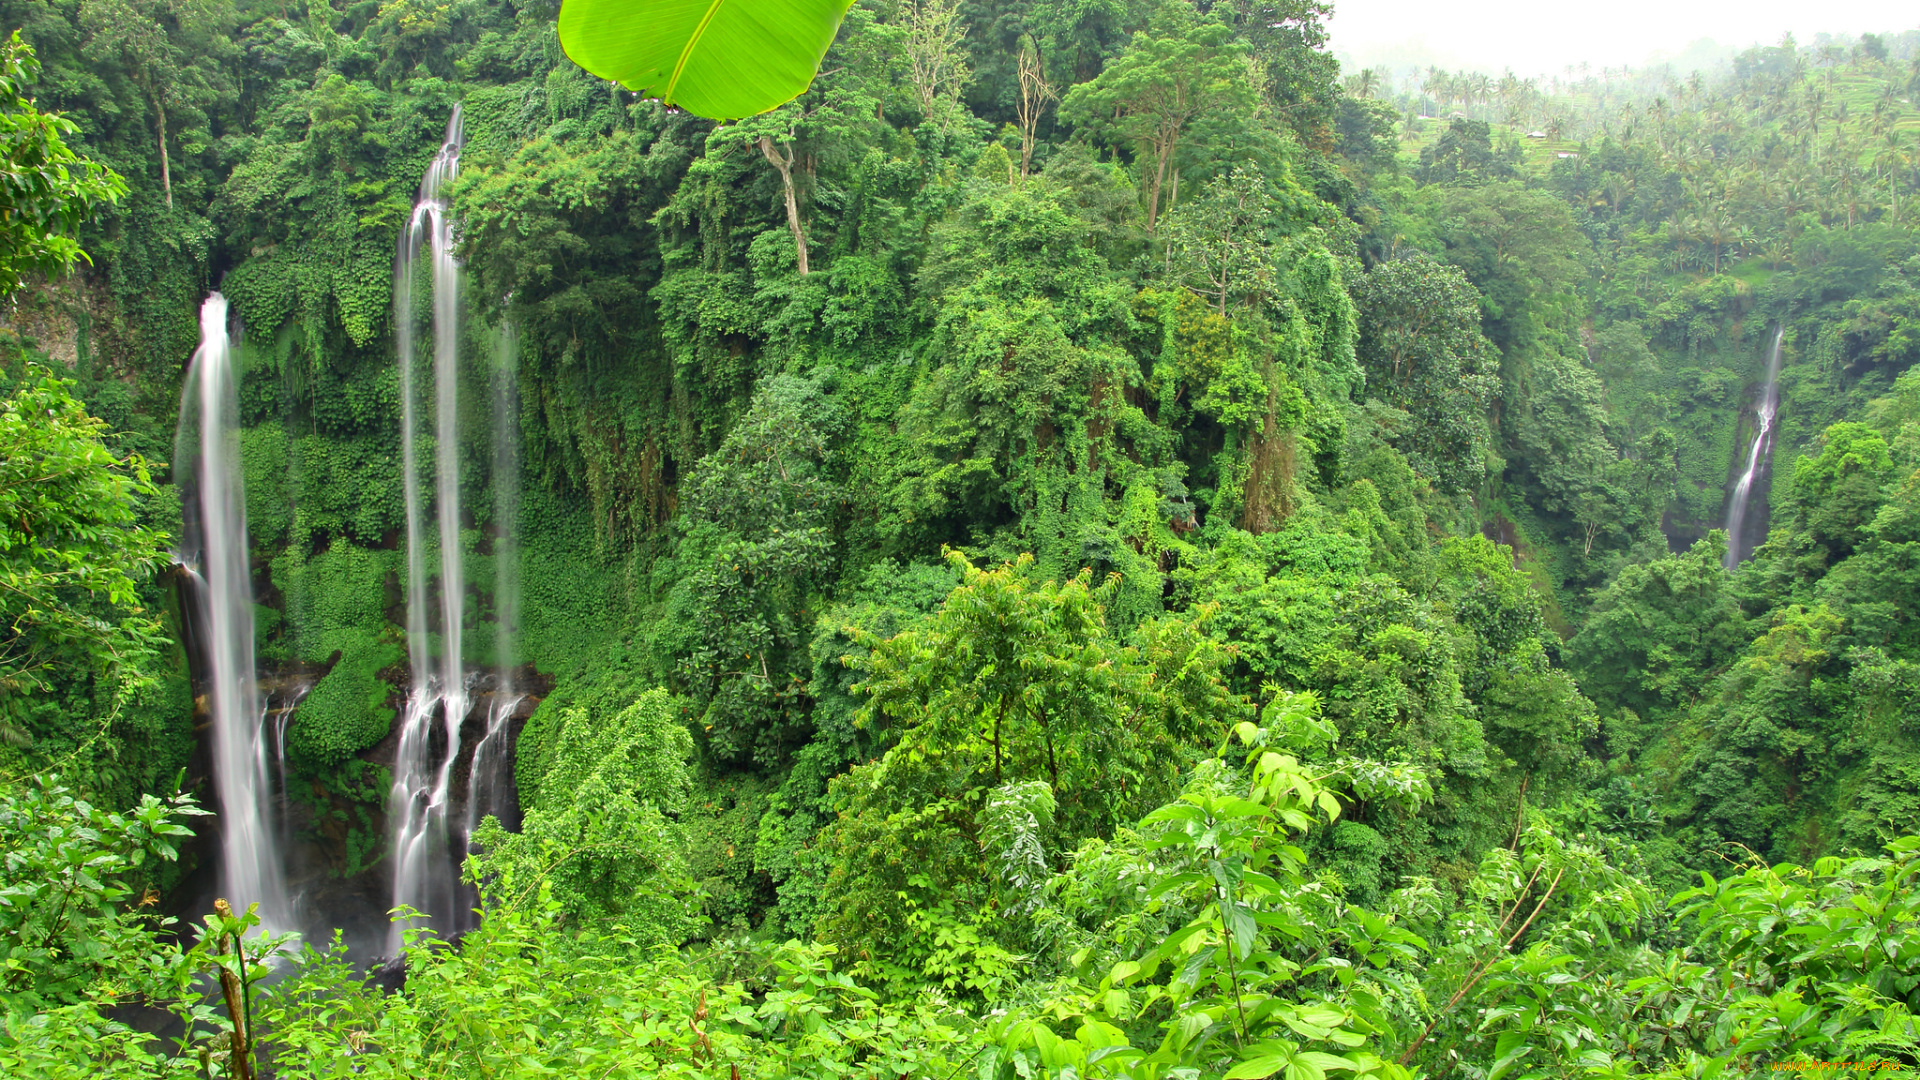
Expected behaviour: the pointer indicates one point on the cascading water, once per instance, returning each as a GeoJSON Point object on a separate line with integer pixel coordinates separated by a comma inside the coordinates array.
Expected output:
{"type": "Point", "coordinates": [489, 784]}
{"type": "Point", "coordinates": [214, 501]}
{"type": "Point", "coordinates": [277, 717]}
{"type": "Point", "coordinates": [1759, 455]}
{"type": "Point", "coordinates": [423, 878]}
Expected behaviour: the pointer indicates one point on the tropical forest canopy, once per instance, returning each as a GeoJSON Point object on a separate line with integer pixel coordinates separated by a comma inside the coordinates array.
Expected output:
{"type": "Point", "coordinates": [1089, 543]}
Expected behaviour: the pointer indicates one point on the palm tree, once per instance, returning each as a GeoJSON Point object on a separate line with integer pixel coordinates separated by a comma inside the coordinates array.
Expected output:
{"type": "Point", "coordinates": [1594, 191]}
{"type": "Point", "coordinates": [1679, 235]}
{"type": "Point", "coordinates": [1479, 89]}
{"type": "Point", "coordinates": [1829, 56]}
{"type": "Point", "coordinates": [1847, 186]}
{"type": "Point", "coordinates": [1893, 157]}
{"type": "Point", "coordinates": [1724, 234]}
{"type": "Point", "coordinates": [1901, 208]}
{"type": "Point", "coordinates": [1796, 195]}
{"type": "Point", "coordinates": [1778, 249]}
{"type": "Point", "coordinates": [1513, 94]}
{"type": "Point", "coordinates": [1438, 85]}
{"type": "Point", "coordinates": [1619, 189]}
{"type": "Point", "coordinates": [1886, 108]}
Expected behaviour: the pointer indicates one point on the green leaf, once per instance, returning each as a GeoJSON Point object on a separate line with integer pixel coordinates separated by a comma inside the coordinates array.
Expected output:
{"type": "Point", "coordinates": [1048, 1044]}
{"type": "Point", "coordinates": [1188, 1026]}
{"type": "Point", "coordinates": [722, 59]}
{"type": "Point", "coordinates": [1508, 1050]}
{"type": "Point", "coordinates": [1323, 1016]}
{"type": "Point", "coordinates": [1258, 1067]}
{"type": "Point", "coordinates": [1240, 923]}
{"type": "Point", "coordinates": [1120, 1053]}
{"type": "Point", "coordinates": [1237, 808]}
{"type": "Point", "coordinates": [1175, 812]}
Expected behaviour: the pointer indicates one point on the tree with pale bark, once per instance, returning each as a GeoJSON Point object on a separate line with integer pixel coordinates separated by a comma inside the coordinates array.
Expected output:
{"type": "Point", "coordinates": [1181, 69]}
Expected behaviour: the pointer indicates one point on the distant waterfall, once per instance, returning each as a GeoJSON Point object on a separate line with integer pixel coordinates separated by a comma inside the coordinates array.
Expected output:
{"type": "Point", "coordinates": [215, 554]}
{"type": "Point", "coordinates": [1759, 455]}
{"type": "Point", "coordinates": [423, 772]}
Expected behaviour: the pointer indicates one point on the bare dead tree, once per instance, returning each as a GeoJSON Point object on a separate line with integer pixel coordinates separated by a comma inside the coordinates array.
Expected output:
{"type": "Point", "coordinates": [1036, 93]}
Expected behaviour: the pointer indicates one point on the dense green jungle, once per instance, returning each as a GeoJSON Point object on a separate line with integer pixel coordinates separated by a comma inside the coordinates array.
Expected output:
{"type": "Point", "coordinates": [1091, 543]}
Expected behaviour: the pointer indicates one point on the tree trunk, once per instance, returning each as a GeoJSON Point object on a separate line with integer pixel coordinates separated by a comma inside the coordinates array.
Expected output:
{"type": "Point", "coordinates": [166, 171]}
{"type": "Point", "coordinates": [1153, 193]}
{"type": "Point", "coordinates": [1034, 95]}
{"type": "Point", "coordinates": [783, 164]}
{"type": "Point", "coordinates": [241, 1061]}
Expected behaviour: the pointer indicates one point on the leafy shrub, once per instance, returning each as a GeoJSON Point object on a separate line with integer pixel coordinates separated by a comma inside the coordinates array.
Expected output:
{"type": "Point", "coordinates": [602, 838]}
{"type": "Point", "coordinates": [69, 868]}
{"type": "Point", "coordinates": [335, 598]}
{"type": "Point", "coordinates": [346, 712]}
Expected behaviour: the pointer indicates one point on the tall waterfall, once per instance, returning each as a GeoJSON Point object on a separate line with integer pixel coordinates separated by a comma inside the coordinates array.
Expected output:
{"type": "Point", "coordinates": [1759, 455]}
{"type": "Point", "coordinates": [215, 554]}
{"type": "Point", "coordinates": [423, 874]}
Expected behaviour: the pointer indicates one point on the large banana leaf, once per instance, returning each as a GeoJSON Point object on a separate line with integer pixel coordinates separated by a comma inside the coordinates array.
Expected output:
{"type": "Point", "coordinates": [723, 59]}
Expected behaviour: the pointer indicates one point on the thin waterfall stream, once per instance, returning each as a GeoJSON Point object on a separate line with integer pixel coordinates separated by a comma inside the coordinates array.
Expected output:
{"type": "Point", "coordinates": [278, 716]}
{"type": "Point", "coordinates": [1759, 455]}
{"type": "Point", "coordinates": [215, 553]}
{"type": "Point", "coordinates": [490, 778]}
{"type": "Point", "coordinates": [418, 805]}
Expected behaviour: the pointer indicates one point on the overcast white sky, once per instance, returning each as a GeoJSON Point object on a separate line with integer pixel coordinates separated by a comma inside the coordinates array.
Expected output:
{"type": "Point", "coordinates": [1537, 37]}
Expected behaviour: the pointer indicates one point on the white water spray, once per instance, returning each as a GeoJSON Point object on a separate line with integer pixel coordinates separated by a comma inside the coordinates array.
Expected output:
{"type": "Point", "coordinates": [418, 804]}
{"type": "Point", "coordinates": [488, 793]}
{"type": "Point", "coordinates": [208, 452]}
{"type": "Point", "coordinates": [1759, 454]}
